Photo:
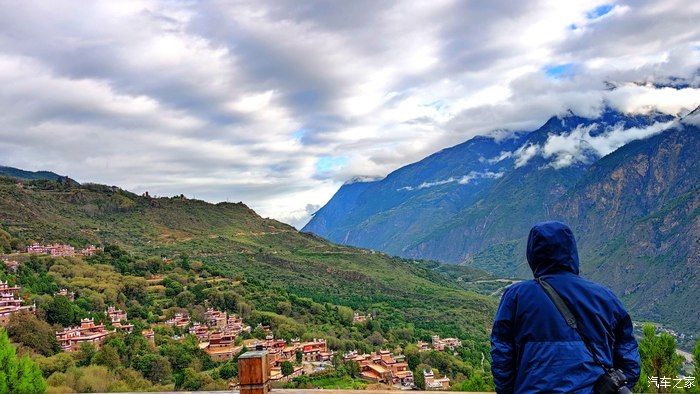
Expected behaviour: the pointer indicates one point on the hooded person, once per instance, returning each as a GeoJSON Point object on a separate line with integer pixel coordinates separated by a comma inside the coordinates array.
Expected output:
{"type": "Point", "coordinates": [533, 349]}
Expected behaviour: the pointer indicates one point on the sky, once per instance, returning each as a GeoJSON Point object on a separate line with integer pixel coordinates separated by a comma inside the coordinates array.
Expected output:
{"type": "Point", "coordinates": [277, 103]}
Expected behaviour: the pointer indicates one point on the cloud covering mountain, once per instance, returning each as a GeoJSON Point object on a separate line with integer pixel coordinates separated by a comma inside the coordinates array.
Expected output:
{"type": "Point", "coordinates": [277, 104]}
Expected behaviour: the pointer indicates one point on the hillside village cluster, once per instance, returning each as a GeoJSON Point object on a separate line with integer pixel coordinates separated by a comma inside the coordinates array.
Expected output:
{"type": "Point", "coordinates": [218, 332]}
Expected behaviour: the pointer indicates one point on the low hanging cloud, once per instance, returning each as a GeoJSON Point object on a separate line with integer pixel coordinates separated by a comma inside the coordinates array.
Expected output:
{"type": "Point", "coordinates": [504, 155]}
{"type": "Point", "coordinates": [464, 180]}
{"type": "Point", "coordinates": [426, 185]}
{"type": "Point", "coordinates": [242, 100]}
{"type": "Point", "coordinates": [525, 153]}
{"type": "Point", "coordinates": [580, 146]}
{"type": "Point", "coordinates": [479, 175]}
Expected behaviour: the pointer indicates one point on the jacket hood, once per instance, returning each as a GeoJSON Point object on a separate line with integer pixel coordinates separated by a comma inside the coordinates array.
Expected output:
{"type": "Point", "coordinates": [551, 248]}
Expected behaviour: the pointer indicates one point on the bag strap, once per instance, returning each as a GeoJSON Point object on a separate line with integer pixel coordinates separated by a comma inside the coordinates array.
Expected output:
{"type": "Point", "coordinates": [569, 317]}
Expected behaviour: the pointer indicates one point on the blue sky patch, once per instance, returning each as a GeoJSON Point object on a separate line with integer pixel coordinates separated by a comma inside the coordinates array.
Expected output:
{"type": "Point", "coordinates": [329, 163]}
{"type": "Point", "coordinates": [599, 11]}
{"type": "Point", "coordinates": [559, 70]}
{"type": "Point", "coordinates": [299, 134]}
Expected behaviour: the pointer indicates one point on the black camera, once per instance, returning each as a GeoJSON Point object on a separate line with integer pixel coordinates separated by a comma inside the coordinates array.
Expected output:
{"type": "Point", "coordinates": [612, 381]}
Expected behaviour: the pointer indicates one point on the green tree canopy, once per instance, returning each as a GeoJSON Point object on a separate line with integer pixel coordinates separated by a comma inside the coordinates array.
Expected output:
{"type": "Point", "coordinates": [659, 359]}
{"type": "Point", "coordinates": [154, 367]}
{"type": "Point", "coordinates": [60, 311]}
{"type": "Point", "coordinates": [18, 375]}
{"type": "Point", "coordinates": [287, 368]}
{"type": "Point", "coordinates": [25, 328]}
{"type": "Point", "coordinates": [5, 241]}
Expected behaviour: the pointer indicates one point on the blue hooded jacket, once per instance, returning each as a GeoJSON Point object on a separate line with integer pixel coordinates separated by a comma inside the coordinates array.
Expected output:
{"type": "Point", "coordinates": [532, 347]}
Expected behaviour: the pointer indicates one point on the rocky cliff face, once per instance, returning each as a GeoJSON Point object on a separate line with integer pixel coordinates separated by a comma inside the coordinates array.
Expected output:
{"type": "Point", "coordinates": [636, 216]}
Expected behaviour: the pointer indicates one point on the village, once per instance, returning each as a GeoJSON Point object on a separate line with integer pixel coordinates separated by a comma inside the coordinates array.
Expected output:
{"type": "Point", "coordinates": [218, 336]}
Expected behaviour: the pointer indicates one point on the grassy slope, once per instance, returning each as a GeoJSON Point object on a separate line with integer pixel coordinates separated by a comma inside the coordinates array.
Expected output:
{"type": "Point", "coordinates": [232, 239]}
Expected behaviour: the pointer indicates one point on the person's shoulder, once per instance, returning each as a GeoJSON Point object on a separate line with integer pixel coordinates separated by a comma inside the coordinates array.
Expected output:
{"type": "Point", "coordinates": [519, 287]}
{"type": "Point", "coordinates": [595, 286]}
{"type": "Point", "coordinates": [600, 290]}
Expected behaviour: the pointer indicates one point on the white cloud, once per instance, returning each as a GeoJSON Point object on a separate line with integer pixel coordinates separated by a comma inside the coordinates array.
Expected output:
{"type": "Point", "coordinates": [633, 98]}
{"type": "Point", "coordinates": [464, 180]}
{"type": "Point", "coordinates": [239, 101]}
{"type": "Point", "coordinates": [477, 175]}
{"type": "Point", "coordinates": [504, 155]}
{"type": "Point", "coordinates": [525, 153]}
{"type": "Point", "coordinates": [579, 146]}
{"type": "Point", "coordinates": [426, 185]}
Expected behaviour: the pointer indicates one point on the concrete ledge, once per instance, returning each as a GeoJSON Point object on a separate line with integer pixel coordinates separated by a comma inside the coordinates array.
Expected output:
{"type": "Point", "coordinates": [312, 391]}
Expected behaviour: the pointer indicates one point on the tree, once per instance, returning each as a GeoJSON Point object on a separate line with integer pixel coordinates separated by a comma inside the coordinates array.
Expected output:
{"type": "Point", "coordinates": [376, 339]}
{"type": "Point", "coordinates": [287, 368]}
{"type": "Point", "coordinates": [228, 370]}
{"type": "Point", "coordinates": [29, 378]}
{"type": "Point", "coordinates": [696, 361]}
{"type": "Point", "coordinates": [185, 262]}
{"type": "Point", "coordinates": [659, 358]}
{"type": "Point", "coordinates": [18, 375]}
{"type": "Point", "coordinates": [418, 377]}
{"type": "Point", "coordinates": [191, 380]}
{"type": "Point", "coordinates": [172, 286]}
{"type": "Point", "coordinates": [259, 333]}
{"type": "Point", "coordinates": [353, 368]}
{"type": "Point", "coordinates": [284, 308]}
{"type": "Point", "coordinates": [25, 328]}
{"type": "Point", "coordinates": [154, 367]}
{"type": "Point", "coordinates": [184, 299]}
{"type": "Point", "coordinates": [244, 309]}
{"type": "Point", "coordinates": [299, 355]}
{"type": "Point", "coordinates": [345, 314]}
{"type": "Point", "coordinates": [85, 354]}
{"type": "Point", "coordinates": [108, 357]}
{"type": "Point", "coordinates": [59, 362]}
{"type": "Point", "coordinates": [476, 382]}
{"type": "Point", "coordinates": [60, 311]}
{"type": "Point", "coordinates": [5, 241]}
{"type": "Point", "coordinates": [412, 356]}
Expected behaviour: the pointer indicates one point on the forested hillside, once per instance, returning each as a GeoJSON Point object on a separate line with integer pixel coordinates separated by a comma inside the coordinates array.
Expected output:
{"type": "Point", "coordinates": [225, 256]}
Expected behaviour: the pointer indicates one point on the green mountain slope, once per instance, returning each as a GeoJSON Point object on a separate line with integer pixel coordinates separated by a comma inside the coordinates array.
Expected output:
{"type": "Point", "coordinates": [28, 175]}
{"type": "Point", "coordinates": [231, 239]}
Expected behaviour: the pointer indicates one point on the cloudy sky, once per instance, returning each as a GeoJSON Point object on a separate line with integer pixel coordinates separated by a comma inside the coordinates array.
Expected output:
{"type": "Point", "coordinates": [277, 103]}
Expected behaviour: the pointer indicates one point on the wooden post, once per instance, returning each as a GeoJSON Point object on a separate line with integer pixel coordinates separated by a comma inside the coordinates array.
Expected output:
{"type": "Point", "coordinates": [254, 373]}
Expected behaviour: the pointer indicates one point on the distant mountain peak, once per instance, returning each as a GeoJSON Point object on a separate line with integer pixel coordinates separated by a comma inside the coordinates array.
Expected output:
{"type": "Point", "coordinates": [17, 173]}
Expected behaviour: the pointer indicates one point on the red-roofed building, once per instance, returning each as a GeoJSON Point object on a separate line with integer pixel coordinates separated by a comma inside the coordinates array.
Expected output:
{"type": "Point", "coordinates": [68, 294]}
{"type": "Point", "coordinates": [90, 250]}
{"type": "Point", "coordinates": [150, 335]}
{"type": "Point", "coordinates": [71, 338]}
{"type": "Point", "coordinates": [55, 250]}
{"type": "Point", "coordinates": [433, 383]}
{"type": "Point", "coordinates": [179, 320]}
{"type": "Point", "coordinates": [10, 302]}
{"type": "Point", "coordinates": [383, 367]}
{"type": "Point", "coordinates": [116, 317]}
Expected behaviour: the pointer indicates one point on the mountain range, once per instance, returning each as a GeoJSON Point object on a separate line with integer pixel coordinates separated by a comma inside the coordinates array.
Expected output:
{"type": "Point", "coordinates": [627, 185]}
